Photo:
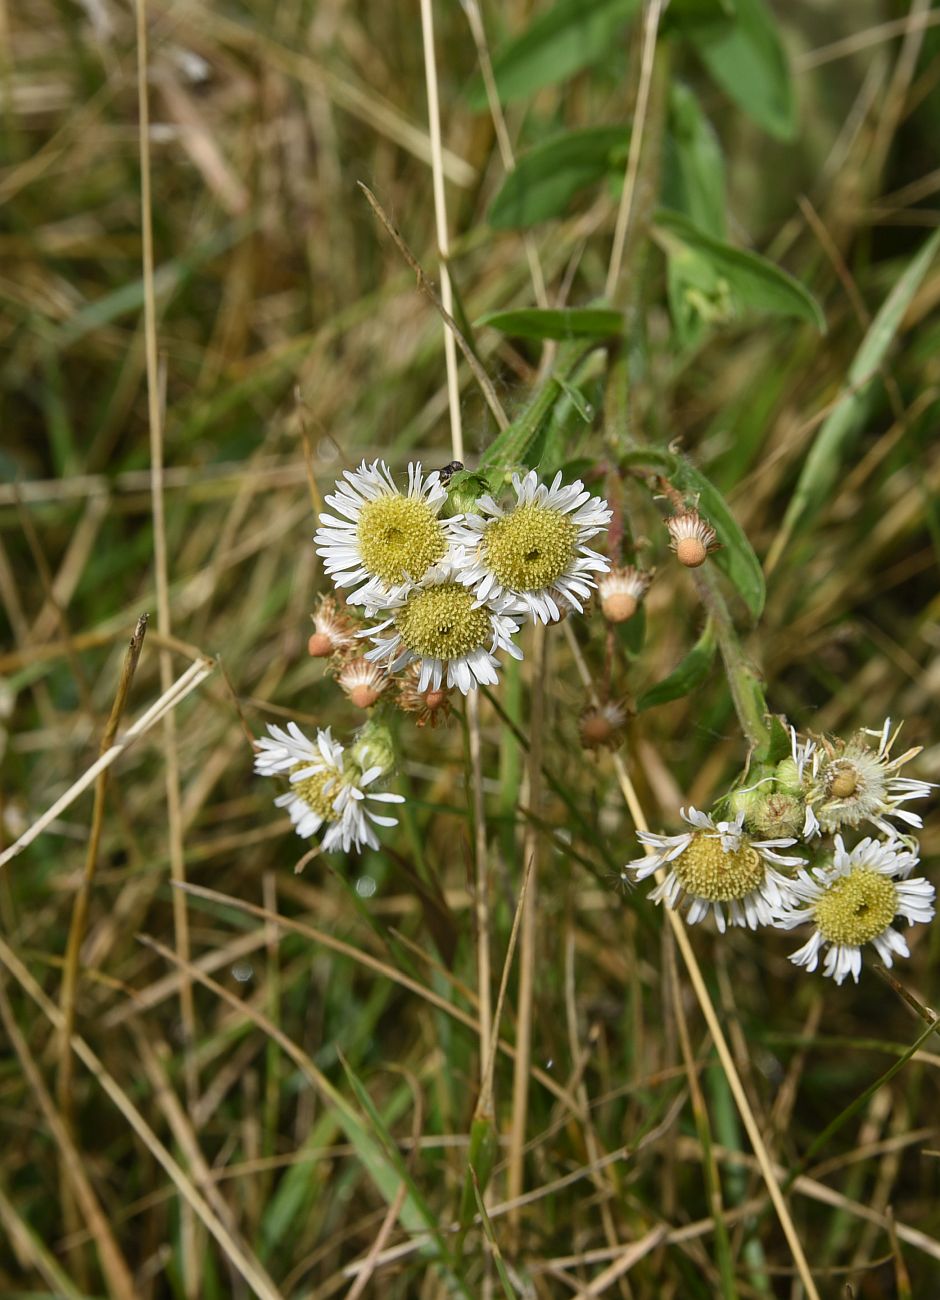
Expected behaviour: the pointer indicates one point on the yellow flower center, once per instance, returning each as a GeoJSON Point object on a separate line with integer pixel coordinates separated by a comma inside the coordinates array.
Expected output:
{"type": "Point", "coordinates": [707, 871]}
{"type": "Point", "coordinates": [441, 623]}
{"type": "Point", "coordinates": [400, 537]}
{"type": "Point", "coordinates": [318, 791]}
{"type": "Point", "coordinates": [530, 548]}
{"type": "Point", "coordinates": [857, 907]}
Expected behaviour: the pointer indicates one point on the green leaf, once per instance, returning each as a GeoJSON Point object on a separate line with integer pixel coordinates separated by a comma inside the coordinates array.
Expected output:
{"type": "Point", "coordinates": [828, 452]}
{"type": "Point", "coordinates": [632, 633]}
{"type": "Point", "coordinates": [548, 177]}
{"type": "Point", "coordinates": [381, 1156]}
{"type": "Point", "coordinates": [564, 323]}
{"type": "Point", "coordinates": [509, 448]}
{"type": "Point", "coordinates": [778, 744]}
{"type": "Point", "coordinates": [577, 399]}
{"type": "Point", "coordinates": [571, 36]}
{"type": "Point", "coordinates": [746, 58]}
{"type": "Point", "coordinates": [730, 278]}
{"type": "Point", "coordinates": [693, 166]}
{"type": "Point", "coordinates": [691, 672]}
{"type": "Point", "coordinates": [697, 11]}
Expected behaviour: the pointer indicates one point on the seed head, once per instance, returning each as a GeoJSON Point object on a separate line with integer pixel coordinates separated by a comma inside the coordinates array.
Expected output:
{"type": "Point", "coordinates": [621, 591]}
{"type": "Point", "coordinates": [693, 538]}
{"type": "Point", "coordinates": [603, 725]}
{"type": "Point", "coordinates": [334, 630]}
{"type": "Point", "coordinates": [362, 681]}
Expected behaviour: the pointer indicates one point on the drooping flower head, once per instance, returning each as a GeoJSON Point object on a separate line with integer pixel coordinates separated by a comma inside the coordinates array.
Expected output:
{"type": "Point", "coordinates": [856, 901]}
{"type": "Point", "coordinates": [333, 630]}
{"type": "Point", "coordinates": [621, 591]}
{"type": "Point", "coordinates": [848, 784]}
{"type": "Point", "coordinates": [328, 787]}
{"type": "Point", "coordinates": [362, 681]}
{"type": "Point", "coordinates": [450, 634]}
{"type": "Point", "coordinates": [691, 537]}
{"type": "Point", "coordinates": [381, 539]}
{"type": "Point", "coordinates": [603, 725]}
{"type": "Point", "coordinates": [533, 554]}
{"type": "Point", "coordinates": [431, 706]}
{"type": "Point", "coordinates": [717, 867]}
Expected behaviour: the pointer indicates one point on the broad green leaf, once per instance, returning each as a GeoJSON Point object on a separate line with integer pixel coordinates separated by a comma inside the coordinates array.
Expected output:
{"type": "Point", "coordinates": [736, 559]}
{"type": "Point", "coordinates": [683, 679]}
{"type": "Point", "coordinates": [729, 278]}
{"type": "Point", "coordinates": [565, 323]}
{"type": "Point", "coordinates": [746, 57]}
{"type": "Point", "coordinates": [693, 166]}
{"type": "Point", "coordinates": [548, 177]}
{"type": "Point", "coordinates": [570, 36]}
{"type": "Point", "coordinates": [828, 452]}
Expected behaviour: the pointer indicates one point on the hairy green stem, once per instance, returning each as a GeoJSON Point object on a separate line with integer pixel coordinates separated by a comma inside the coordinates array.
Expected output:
{"type": "Point", "coordinates": [746, 689]}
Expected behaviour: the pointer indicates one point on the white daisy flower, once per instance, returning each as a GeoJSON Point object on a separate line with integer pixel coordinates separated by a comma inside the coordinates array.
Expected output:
{"type": "Point", "coordinates": [717, 866]}
{"type": "Point", "coordinates": [382, 539]}
{"type": "Point", "coordinates": [533, 554]}
{"type": "Point", "coordinates": [326, 787]}
{"type": "Point", "coordinates": [451, 635]}
{"type": "Point", "coordinates": [855, 783]}
{"type": "Point", "coordinates": [854, 902]}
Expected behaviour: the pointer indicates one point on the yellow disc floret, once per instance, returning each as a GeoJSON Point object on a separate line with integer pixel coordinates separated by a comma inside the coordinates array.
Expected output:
{"type": "Point", "coordinates": [442, 623]}
{"type": "Point", "coordinates": [857, 907]}
{"type": "Point", "coordinates": [708, 871]}
{"type": "Point", "coordinates": [400, 537]}
{"type": "Point", "coordinates": [531, 547]}
{"type": "Point", "coordinates": [318, 791]}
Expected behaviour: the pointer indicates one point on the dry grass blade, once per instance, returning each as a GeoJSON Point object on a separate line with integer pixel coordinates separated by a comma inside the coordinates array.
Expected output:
{"type": "Point", "coordinates": [113, 1264]}
{"type": "Point", "coordinates": [135, 1119]}
{"type": "Point", "coordinates": [184, 684]}
{"type": "Point", "coordinates": [71, 968]}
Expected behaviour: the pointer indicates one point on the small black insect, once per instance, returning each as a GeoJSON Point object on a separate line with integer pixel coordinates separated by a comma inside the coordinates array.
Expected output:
{"type": "Point", "coordinates": [447, 473]}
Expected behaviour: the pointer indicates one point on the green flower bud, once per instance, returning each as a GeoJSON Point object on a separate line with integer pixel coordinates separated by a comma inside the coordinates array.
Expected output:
{"type": "Point", "coordinates": [788, 777]}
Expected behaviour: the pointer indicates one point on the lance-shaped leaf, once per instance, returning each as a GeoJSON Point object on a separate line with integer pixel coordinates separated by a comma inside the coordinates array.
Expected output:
{"type": "Point", "coordinates": [572, 35]}
{"type": "Point", "coordinates": [684, 678]}
{"type": "Point", "coordinates": [548, 176]}
{"type": "Point", "coordinates": [564, 323]}
{"type": "Point", "coordinates": [693, 166]}
{"type": "Point", "coordinates": [827, 454]}
{"type": "Point", "coordinates": [746, 57]}
{"type": "Point", "coordinates": [731, 278]}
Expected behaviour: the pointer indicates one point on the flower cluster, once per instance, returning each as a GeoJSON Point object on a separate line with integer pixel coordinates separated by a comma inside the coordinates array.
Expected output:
{"type": "Point", "coordinates": [445, 597]}
{"type": "Point", "coordinates": [451, 592]}
{"type": "Point", "coordinates": [734, 869]}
